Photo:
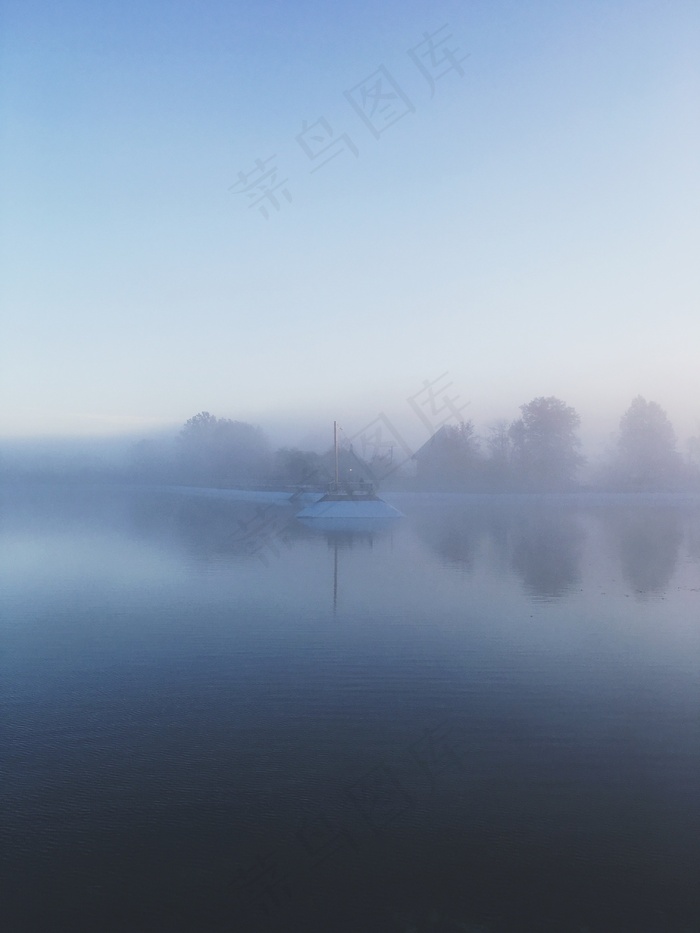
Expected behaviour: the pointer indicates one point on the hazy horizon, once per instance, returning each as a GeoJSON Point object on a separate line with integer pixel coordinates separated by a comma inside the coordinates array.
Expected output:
{"type": "Point", "coordinates": [310, 434]}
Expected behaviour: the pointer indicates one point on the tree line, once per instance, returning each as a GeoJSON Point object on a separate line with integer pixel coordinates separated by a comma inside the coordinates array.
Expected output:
{"type": "Point", "coordinates": [540, 451]}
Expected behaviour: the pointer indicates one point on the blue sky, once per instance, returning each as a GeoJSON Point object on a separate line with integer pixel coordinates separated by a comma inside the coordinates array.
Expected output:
{"type": "Point", "coordinates": [529, 224]}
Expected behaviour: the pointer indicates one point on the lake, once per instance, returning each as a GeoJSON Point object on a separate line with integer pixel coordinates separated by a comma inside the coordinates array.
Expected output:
{"type": "Point", "coordinates": [485, 717]}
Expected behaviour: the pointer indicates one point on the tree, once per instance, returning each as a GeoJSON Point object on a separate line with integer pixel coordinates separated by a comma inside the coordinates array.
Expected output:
{"type": "Point", "coordinates": [545, 446]}
{"type": "Point", "coordinates": [499, 460]}
{"type": "Point", "coordinates": [222, 452]}
{"type": "Point", "coordinates": [451, 457]}
{"type": "Point", "coordinates": [693, 461]}
{"type": "Point", "coordinates": [298, 467]}
{"type": "Point", "coordinates": [646, 447]}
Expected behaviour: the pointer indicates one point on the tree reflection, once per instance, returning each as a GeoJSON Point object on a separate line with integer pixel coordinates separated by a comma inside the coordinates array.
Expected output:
{"type": "Point", "coordinates": [453, 531]}
{"type": "Point", "coordinates": [213, 526]}
{"type": "Point", "coordinates": [648, 539]}
{"type": "Point", "coordinates": [692, 533]}
{"type": "Point", "coordinates": [546, 552]}
{"type": "Point", "coordinates": [530, 536]}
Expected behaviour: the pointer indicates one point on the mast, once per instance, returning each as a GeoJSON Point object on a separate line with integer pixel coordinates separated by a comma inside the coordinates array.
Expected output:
{"type": "Point", "coordinates": [335, 448]}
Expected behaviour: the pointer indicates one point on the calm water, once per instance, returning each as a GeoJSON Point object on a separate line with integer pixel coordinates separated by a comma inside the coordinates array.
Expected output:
{"type": "Point", "coordinates": [214, 719]}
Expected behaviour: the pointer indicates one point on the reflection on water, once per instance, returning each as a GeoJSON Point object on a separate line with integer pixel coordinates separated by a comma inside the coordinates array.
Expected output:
{"type": "Point", "coordinates": [218, 719]}
{"type": "Point", "coordinates": [216, 527]}
{"type": "Point", "coordinates": [539, 540]}
{"type": "Point", "coordinates": [544, 540]}
{"type": "Point", "coordinates": [648, 542]}
{"type": "Point", "coordinates": [547, 551]}
{"type": "Point", "coordinates": [344, 534]}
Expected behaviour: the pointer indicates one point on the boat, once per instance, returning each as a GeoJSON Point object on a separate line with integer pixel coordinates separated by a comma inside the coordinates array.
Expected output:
{"type": "Point", "coordinates": [348, 502]}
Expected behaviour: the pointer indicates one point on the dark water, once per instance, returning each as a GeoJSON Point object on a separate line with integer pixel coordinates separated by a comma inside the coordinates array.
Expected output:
{"type": "Point", "coordinates": [215, 719]}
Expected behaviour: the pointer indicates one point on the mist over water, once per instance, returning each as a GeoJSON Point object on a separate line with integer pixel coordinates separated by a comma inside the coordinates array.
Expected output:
{"type": "Point", "coordinates": [539, 451]}
{"type": "Point", "coordinates": [217, 718]}
{"type": "Point", "coordinates": [462, 243]}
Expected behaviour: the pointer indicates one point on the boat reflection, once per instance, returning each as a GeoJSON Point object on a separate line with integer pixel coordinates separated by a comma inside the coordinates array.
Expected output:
{"type": "Point", "coordinates": [344, 534]}
{"type": "Point", "coordinates": [348, 526]}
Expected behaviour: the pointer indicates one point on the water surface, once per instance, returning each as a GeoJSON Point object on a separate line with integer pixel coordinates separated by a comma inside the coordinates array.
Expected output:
{"type": "Point", "coordinates": [217, 719]}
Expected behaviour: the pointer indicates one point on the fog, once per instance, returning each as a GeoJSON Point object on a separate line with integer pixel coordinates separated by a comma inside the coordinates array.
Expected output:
{"type": "Point", "coordinates": [463, 241]}
{"type": "Point", "coordinates": [539, 450]}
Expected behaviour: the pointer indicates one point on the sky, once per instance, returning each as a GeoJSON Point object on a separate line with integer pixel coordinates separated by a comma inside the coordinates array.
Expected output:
{"type": "Point", "coordinates": [287, 213]}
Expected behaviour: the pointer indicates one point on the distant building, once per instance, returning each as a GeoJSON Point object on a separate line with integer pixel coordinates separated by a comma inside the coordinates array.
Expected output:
{"type": "Point", "coordinates": [448, 459]}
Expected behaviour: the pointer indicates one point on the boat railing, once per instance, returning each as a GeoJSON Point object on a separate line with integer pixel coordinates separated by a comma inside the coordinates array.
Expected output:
{"type": "Point", "coordinates": [351, 488]}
